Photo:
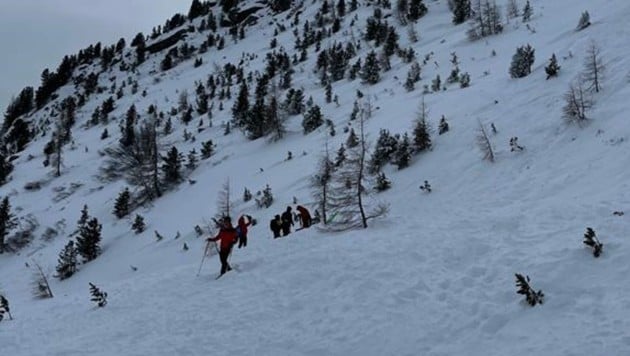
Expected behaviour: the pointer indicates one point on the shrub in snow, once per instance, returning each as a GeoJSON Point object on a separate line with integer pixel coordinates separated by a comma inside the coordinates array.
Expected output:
{"type": "Point", "coordinates": [382, 182]}
{"type": "Point", "coordinates": [484, 144]}
{"type": "Point", "coordinates": [426, 187]}
{"type": "Point", "coordinates": [585, 21]}
{"type": "Point", "coordinates": [99, 297]}
{"type": "Point", "coordinates": [4, 308]}
{"type": "Point", "coordinates": [514, 146]}
{"type": "Point", "coordinates": [552, 68]}
{"type": "Point", "coordinates": [531, 296]}
{"type": "Point", "coordinates": [590, 239]}
{"type": "Point", "coordinates": [40, 287]}
{"type": "Point", "coordinates": [138, 224]}
{"type": "Point", "coordinates": [443, 126]}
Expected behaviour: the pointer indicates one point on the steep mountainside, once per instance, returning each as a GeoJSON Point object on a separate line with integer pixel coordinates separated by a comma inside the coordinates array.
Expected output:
{"type": "Point", "coordinates": [433, 276]}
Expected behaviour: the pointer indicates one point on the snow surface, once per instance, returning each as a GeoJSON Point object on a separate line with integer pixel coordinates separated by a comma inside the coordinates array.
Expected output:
{"type": "Point", "coordinates": [435, 277]}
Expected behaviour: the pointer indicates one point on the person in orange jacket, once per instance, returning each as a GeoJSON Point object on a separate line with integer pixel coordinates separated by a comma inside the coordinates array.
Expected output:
{"type": "Point", "coordinates": [305, 216]}
{"type": "Point", "coordinates": [227, 236]}
{"type": "Point", "coordinates": [241, 230]}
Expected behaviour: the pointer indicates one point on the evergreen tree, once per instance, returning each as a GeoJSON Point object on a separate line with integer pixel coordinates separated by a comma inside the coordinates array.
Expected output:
{"type": "Point", "coordinates": [7, 222]}
{"type": "Point", "coordinates": [531, 296]}
{"type": "Point", "coordinates": [191, 163]}
{"type": "Point", "coordinates": [421, 131]}
{"type": "Point", "coordinates": [99, 297]}
{"type": "Point", "coordinates": [67, 262]}
{"type": "Point", "coordinates": [247, 195]}
{"type": "Point", "coordinates": [386, 147]}
{"type": "Point", "coordinates": [522, 62]}
{"type": "Point", "coordinates": [4, 307]}
{"type": "Point", "coordinates": [5, 166]}
{"type": "Point", "coordinates": [403, 153]}
{"type": "Point", "coordinates": [341, 156]}
{"type": "Point", "coordinates": [371, 68]}
{"type": "Point", "coordinates": [138, 225]}
{"type": "Point", "coordinates": [241, 105]}
{"type": "Point", "coordinates": [382, 182]}
{"type": "Point", "coordinates": [88, 241]}
{"type": "Point", "coordinates": [313, 119]}
{"type": "Point", "coordinates": [461, 11]}
{"type": "Point", "coordinates": [129, 134]}
{"type": "Point", "coordinates": [207, 149]}
{"type": "Point", "coordinates": [443, 126]}
{"type": "Point", "coordinates": [590, 239]}
{"type": "Point", "coordinates": [553, 67]}
{"type": "Point", "coordinates": [417, 9]}
{"type": "Point", "coordinates": [172, 165]}
{"type": "Point", "coordinates": [352, 140]}
{"type": "Point", "coordinates": [121, 206]}
{"type": "Point", "coordinates": [585, 21]}
{"type": "Point", "coordinates": [527, 12]}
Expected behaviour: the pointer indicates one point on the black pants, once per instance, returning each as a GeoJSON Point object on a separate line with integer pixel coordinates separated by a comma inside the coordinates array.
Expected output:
{"type": "Point", "coordinates": [242, 241]}
{"type": "Point", "coordinates": [276, 234]}
{"type": "Point", "coordinates": [223, 256]}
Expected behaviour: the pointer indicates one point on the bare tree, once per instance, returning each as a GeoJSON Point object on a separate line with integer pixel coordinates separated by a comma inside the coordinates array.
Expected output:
{"type": "Point", "coordinates": [321, 183]}
{"type": "Point", "coordinates": [593, 68]}
{"type": "Point", "coordinates": [349, 195]}
{"type": "Point", "coordinates": [223, 201]}
{"type": "Point", "coordinates": [512, 10]}
{"type": "Point", "coordinates": [138, 163]}
{"type": "Point", "coordinates": [577, 103]}
{"type": "Point", "coordinates": [41, 288]}
{"type": "Point", "coordinates": [484, 144]}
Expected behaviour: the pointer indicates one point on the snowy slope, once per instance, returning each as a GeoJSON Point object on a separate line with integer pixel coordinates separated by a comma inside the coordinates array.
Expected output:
{"type": "Point", "coordinates": [435, 277]}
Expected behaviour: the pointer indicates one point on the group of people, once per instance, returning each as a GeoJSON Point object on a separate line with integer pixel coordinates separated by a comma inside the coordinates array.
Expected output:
{"type": "Point", "coordinates": [229, 236]}
{"type": "Point", "coordinates": [282, 223]}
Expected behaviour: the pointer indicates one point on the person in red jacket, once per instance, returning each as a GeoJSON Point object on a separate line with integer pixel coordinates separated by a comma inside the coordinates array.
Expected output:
{"type": "Point", "coordinates": [242, 230]}
{"type": "Point", "coordinates": [227, 236]}
{"type": "Point", "coordinates": [304, 215]}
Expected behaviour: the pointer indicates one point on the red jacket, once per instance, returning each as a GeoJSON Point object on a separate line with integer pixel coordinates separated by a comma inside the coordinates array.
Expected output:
{"type": "Point", "coordinates": [227, 236]}
{"type": "Point", "coordinates": [303, 213]}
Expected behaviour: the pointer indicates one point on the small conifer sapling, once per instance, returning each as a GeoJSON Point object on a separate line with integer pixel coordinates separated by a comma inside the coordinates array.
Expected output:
{"type": "Point", "coordinates": [99, 297]}
{"type": "Point", "coordinates": [590, 239]}
{"type": "Point", "coordinates": [531, 296]}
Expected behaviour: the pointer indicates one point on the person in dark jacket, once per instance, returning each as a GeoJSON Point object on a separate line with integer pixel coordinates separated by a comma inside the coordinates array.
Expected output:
{"type": "Point", "coordinates": [276, 226]}
{"type": "Point", "coordinates": [227, 236]}
{"type": "Point", "coordinates": [242, 230]}
{"type": "Point", "coordinates": [305, 216]}
{"type": "Point", "coordinates": [287, 221]}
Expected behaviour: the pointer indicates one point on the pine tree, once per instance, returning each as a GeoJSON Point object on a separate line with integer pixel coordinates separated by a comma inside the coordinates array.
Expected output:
{"type": "Point", "coordinates": [585, 21]}
{"type": "Point", "coordinates": [172, 165]}
{"type": "Point", "coordinates": [443, 126]}
{"type": "Point", "coordinates": [527, 12]}
{"type": "Point", "coordinates": [191, 163]}
{"type": "Point", "coordinates": [403, 153]}
{"type": "Point", "coordinates": [5, 166]}
{"type": "Point", "coordinates": [386, 147]}
{"type": "Point", "coordinates": [341, 156]}
{"type": "Point", "coordinates": [4, 308]}
{"type": "Point", "coordinates": [313, 119]}
{"type": "Point", "coordinates": [382, 182]}
{"type": "Point", "coordinates": [121, 206]}
{"type": "Point", "coordinates": [590, 239]}
{"type": "Point", "coordinates": [461, 11]}
{"type": "Point", "coordinates": [88, 241]}
{"type": "Point", "coordinates": [207, 149]}
{"type": "Point", "coordinates": [138, 225]}
{"type": "Point", "coordinates": [421, 131]}
{"type": "Point", "coordinates": [352, 140]}
{"type": "Point", "coordinates": [67, 262]}
{"type": "Point", "coordinates": [7, 222]}
{"type": "Point", "coordinates": [531, 296]}
{"type": "Point", "coordinates": [553, 67]}
{"type": "Point", "coordinates": [247, 195]}
{"type": "Point", "coordinates": [417, 9]}
{"type": "Point", "coordinates": [522, 62]}
{"type": "Point", "coordinates": [99, 297]}
{"type": "Point", "coordinates": [241, 105]}
{"type": "Point", "coordinates": [371, 68]}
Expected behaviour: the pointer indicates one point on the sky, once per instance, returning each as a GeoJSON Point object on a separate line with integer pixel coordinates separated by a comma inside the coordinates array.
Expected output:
{"type": "Point", "coordinates": [36, 34]}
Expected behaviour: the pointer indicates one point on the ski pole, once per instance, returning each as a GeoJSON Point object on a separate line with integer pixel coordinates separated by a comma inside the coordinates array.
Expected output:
{"type": "Point", "coordinates": [205, 252]}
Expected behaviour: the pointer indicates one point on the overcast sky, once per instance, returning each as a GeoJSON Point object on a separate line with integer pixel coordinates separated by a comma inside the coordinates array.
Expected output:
{"type": "Point", "coordinates": [36, 34]}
